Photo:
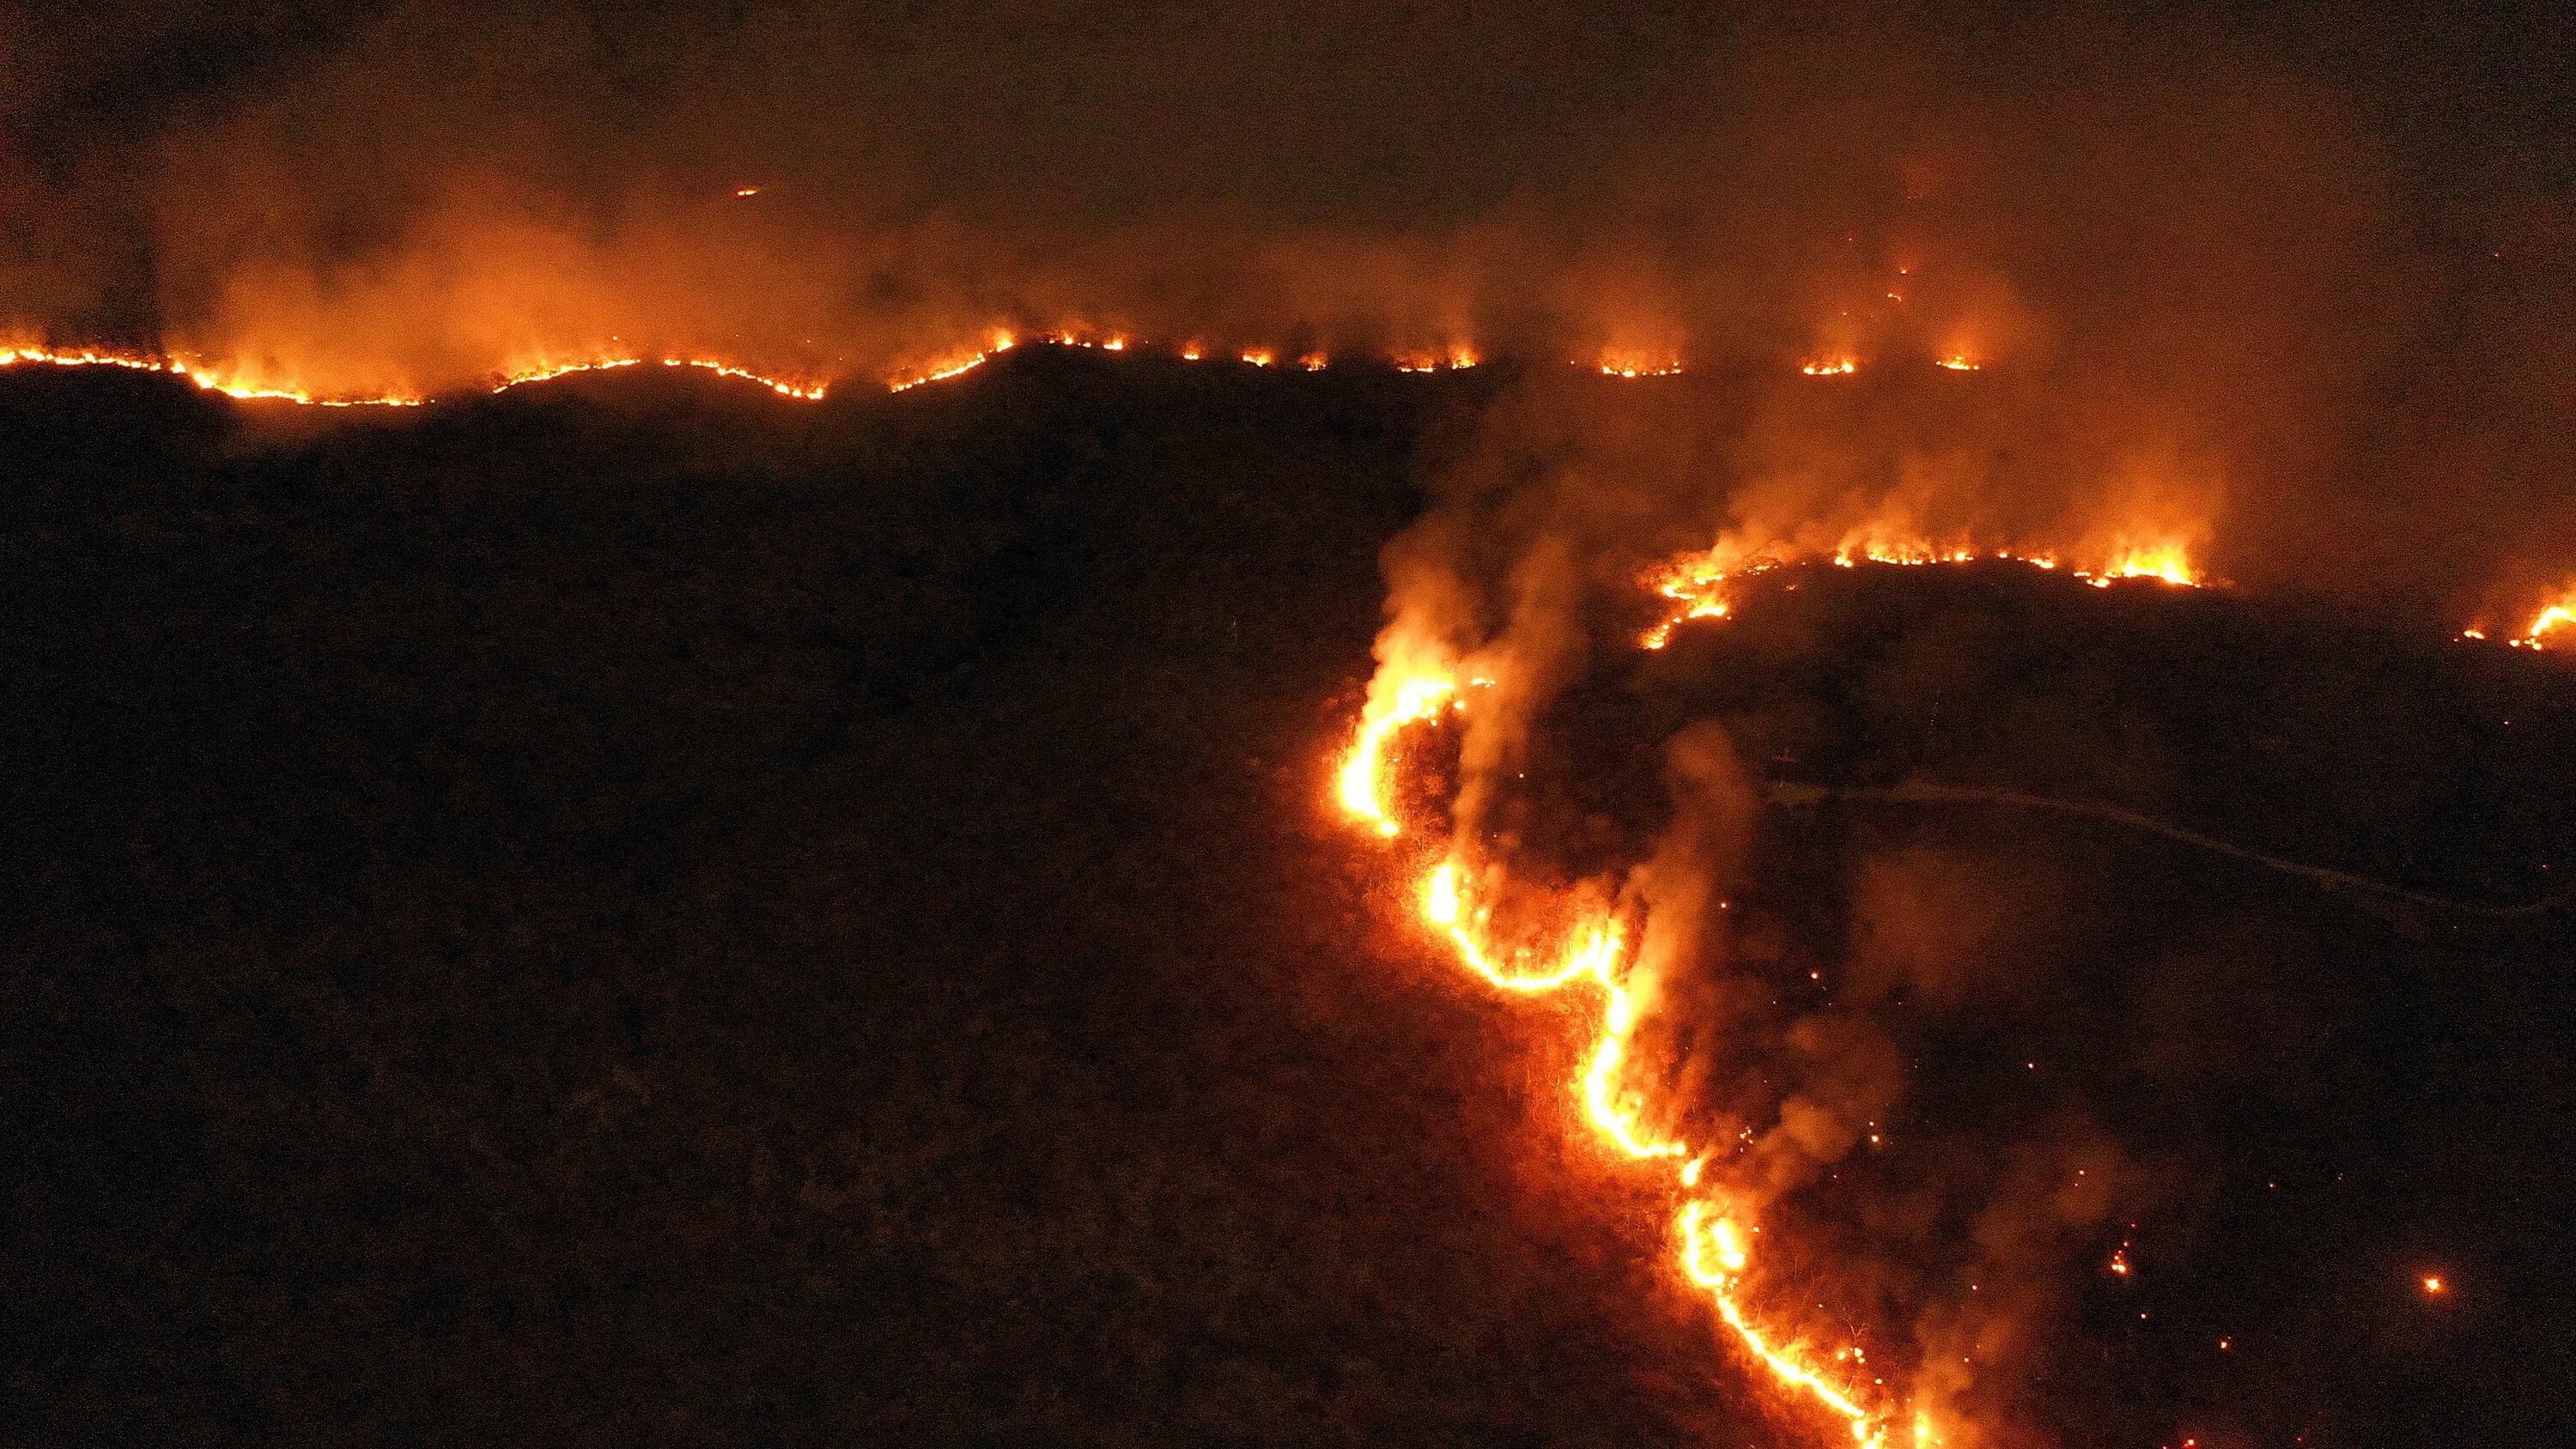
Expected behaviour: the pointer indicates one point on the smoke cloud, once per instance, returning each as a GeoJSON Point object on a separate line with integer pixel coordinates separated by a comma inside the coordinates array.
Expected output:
{"type": "Point", "coordinates": [2213, 270]}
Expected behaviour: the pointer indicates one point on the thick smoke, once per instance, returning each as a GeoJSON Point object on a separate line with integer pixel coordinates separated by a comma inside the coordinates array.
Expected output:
{"type": "Point", "coordinates": [2220, 266]}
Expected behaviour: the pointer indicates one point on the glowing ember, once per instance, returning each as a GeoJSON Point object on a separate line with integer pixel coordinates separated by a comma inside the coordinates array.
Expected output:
{"type": "Point", "coordinates": [1313, 361]}
{"type": "Point", "coordinates": [746, 191]}
{"type": "Point", "coordinates": [2434, 1286]}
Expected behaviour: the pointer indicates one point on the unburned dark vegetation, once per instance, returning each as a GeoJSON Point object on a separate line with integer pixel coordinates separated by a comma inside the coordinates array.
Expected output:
{"type": "Point", "coordinates": [633, 911]}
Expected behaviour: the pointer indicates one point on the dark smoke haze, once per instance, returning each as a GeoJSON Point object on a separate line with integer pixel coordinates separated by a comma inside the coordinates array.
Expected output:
{"type": "Point", "coordinates": [2304, 273]}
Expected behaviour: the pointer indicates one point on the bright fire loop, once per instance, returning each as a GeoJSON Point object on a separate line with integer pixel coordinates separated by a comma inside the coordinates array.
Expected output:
{"type": "Point", "coordinates": [1712, 1245]}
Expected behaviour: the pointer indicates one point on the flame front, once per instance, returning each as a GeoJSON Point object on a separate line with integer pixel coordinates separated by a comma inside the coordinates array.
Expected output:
{"type": "Point", "coordinates": [1696, 584]}
{"type": "Point", "coordinates": [1712, 1249]}
{"type": "Point", "coordinates": [2551, 620]}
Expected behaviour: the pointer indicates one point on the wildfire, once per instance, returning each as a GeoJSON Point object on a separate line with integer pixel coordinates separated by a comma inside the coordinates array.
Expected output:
{"type": "Point", "coordinates": [1831, 367]}
{"type": "Point", "coordinates": [1411, 698]}
{"type": "Point", "coordinates": [1956, 362]}
{"type": "Point", "coordinates": [1456, 355]}
{"type": "Point", "coordinates": [1713, 1250]}
{"type": "Point", "coordinates": [239, 383]}
{"type": "Point", "coordinates": [548, 372]}
{"type": "Point", "coordinates": [2558, 616]}
{"type": "Point", "coordinates": [215, 379]}
{"type": "Point", "coordinates": [1696, 583]}
{"type": "Point", "coordinates": [954, 366]}
{"type": "Point", "coordinates": [1621, 365]}
{"type": "Point", "coordinates": [212, 379]}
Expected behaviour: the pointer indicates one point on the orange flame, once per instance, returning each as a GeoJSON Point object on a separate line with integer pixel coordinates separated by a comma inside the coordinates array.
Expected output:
{"type": "Point", "coordinates": [1617, 363]}
{"type": "Point", "coordinates": [1696, 583]}
{"type": "Point", "coordinates": [1412, 697]}
{"type": "Point", "coordinates": [211, 378]}
{"type": "Point", "coordinates": [1830, 367]}
{"type": "Point", "coordinates": [2560, 615]}
{"type": "Point", "coordinates": [1713, 1252]}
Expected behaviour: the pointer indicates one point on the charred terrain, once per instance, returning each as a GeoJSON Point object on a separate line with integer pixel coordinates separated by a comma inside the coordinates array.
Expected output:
{"type": "Point", "coordinates": [638, 911]}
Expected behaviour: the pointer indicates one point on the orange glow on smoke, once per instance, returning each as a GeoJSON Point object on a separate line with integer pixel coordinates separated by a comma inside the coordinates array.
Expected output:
{"type": "Point", "coordinates": [1713, 1249]}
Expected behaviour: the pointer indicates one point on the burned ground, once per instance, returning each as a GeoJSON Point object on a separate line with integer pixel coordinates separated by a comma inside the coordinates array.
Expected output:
{"type": "Point", "coordinates": [642, 911]}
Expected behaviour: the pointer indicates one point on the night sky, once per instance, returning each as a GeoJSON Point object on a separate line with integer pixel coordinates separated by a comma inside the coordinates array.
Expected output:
{"type": "Point", "coordinates": [633, 908]}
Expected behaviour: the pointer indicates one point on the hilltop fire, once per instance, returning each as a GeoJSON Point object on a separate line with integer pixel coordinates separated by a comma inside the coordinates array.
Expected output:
{"type": "Point", "coordinates": [1696, 584]}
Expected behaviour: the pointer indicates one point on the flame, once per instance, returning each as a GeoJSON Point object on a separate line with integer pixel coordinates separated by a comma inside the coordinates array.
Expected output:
{"type": "Point", "coordinates": [236, 385]}
{"type": "Point", "coordinates": [1456, 355]}
{"type": "Point", "coordinates": [2550, 620]}
{"type": "Point", "coordinates": [1411, 698]}
{"type": "Point", "coordinates": [1957, 362]}
{"type": "Point", "coordinates": [746, 191]}
{"type": "Point", "coordinates": [239, 382]}
{"type": "Point", "coordinates": [1830, 367]}
{"type": "Point", "coordinates": [1630, 364]}
{"type": "Point", "coordinates": [548, 372]}
{"type": "Point", "coordinates": [1696, 583]}
{"type": "Point", "coordinates": [958, 363]}
{"type": "Point", "coordinates": [212, 378]}
{"type": "Point", "coordinates": [1714, 1252]}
